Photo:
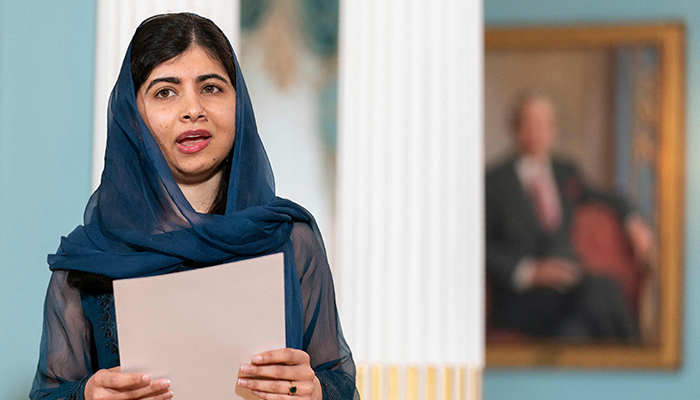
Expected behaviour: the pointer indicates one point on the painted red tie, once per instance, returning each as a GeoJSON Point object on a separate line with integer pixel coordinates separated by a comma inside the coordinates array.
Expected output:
{"type": "Point", "coordinates": [546, 203]}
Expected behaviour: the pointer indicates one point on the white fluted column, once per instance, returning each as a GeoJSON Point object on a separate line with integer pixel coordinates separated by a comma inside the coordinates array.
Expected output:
{"type": "Point", "coordinates": [410, 196]}
{"type": "Point", "coordinates": [116, 22]}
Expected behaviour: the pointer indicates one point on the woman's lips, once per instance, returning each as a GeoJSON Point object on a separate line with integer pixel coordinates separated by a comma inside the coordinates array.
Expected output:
{"type": "Point", "coordinates": [193, 141]}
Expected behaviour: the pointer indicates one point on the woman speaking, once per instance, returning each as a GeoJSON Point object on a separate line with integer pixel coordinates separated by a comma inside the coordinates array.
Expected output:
{"type": "Point", "coordinates": [186, 184]}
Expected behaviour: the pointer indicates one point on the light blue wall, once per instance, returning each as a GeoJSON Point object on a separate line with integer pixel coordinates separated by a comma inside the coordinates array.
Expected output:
{"type": "Point", "coordinates": [601, 385]}
{"type": "Point", "coordinates": [46, 80]}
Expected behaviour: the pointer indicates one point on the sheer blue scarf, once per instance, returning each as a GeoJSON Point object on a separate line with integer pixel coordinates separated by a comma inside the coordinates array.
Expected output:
{"type": "Point", "coordinates": [138, 223]}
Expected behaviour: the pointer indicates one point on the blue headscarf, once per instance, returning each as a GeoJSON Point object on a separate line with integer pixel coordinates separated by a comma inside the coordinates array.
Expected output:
{"type": "Point", "coordinates": [138, 222]}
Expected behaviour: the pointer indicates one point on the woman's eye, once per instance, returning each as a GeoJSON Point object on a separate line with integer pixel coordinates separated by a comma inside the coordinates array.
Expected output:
{"type": "Point", "coordinates": [211, 89]}
{"type": "Point", "coordinates": [164, 93]}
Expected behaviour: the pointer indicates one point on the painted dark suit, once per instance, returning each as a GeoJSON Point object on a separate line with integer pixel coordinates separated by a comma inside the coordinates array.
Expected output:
{"type": "Point", "coordinates": [594, 308]}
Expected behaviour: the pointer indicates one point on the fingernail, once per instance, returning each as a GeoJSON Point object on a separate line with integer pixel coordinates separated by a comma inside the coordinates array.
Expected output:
{"type": "Point", "coordinates": [165, 384]}
{"type": "Point", "coordinates": [247, 368]}
{"type": "Point", "coordinates": [257, 359]}
{"type": "Point", "coordinates": [168, 394]}
{"type": "Point", "coordinates": [146, 377]}
{"type": "Point", "coordinates": [242, 382]}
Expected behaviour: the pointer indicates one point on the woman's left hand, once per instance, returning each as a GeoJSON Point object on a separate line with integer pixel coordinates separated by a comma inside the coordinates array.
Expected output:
{"type": "Point", "coordinates": [274, 375]}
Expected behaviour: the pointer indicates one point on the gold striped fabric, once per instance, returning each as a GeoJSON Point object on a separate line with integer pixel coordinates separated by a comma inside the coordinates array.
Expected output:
{"type": "Point", "coordinates": [432, 382]}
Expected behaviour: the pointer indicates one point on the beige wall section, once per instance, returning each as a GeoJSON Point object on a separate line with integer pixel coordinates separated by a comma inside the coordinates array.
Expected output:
{"type": "Point", "coordinates": [580, 83]}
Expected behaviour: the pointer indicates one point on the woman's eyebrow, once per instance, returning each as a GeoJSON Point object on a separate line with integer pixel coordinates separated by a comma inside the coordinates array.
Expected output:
{"type": "Point", "coordinates": [169, 79]}
{"type": "Point", "coordinates": [203, 78]}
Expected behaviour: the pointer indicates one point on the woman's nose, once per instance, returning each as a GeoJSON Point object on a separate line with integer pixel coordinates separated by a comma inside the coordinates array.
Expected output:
{"type": "Point", "coordinates": [192, 109]}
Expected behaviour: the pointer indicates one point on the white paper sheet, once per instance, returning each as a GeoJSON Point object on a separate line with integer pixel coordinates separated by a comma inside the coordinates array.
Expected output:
{"type": "Point", "coordinates": [197, 327]}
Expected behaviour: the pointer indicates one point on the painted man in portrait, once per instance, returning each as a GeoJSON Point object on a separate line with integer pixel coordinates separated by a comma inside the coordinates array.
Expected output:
{"type": "Point", "coordinates": [538, 285]}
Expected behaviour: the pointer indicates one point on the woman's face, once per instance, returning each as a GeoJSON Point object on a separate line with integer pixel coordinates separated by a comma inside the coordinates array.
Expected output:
{"type": "Point", "coordinates": [189, 105]}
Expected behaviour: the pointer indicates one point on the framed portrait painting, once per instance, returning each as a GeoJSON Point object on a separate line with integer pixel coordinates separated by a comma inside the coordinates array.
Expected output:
{"type": "Point", "coordinates": [591, 275]}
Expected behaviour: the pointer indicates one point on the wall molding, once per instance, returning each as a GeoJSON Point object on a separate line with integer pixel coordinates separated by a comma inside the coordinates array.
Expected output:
{"type": "Point", "coordinates": [419, 382]}
{"type": "Point", "coordinates": [409, 240]}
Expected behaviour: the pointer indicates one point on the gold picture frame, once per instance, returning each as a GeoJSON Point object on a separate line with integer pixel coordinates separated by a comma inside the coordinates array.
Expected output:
{"type": "Point", "coordinates": [664, 352]}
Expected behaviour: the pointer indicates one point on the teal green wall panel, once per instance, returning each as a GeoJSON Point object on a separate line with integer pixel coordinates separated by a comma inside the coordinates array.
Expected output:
{"type": "Point", "coordinates": [47, 51]}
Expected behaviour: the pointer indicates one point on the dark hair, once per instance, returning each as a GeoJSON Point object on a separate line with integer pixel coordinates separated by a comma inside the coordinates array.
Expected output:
{"type": "Point", "coordinates": [166, 36]}
{"type": "Point", "coordinates": [159, 39]}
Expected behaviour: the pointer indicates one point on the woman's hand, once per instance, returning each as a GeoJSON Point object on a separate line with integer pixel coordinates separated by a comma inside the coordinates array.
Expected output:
{"type": "Point", "coordinates": [272, 374]}
{"type": "Point", "coordinates": [113, 384]}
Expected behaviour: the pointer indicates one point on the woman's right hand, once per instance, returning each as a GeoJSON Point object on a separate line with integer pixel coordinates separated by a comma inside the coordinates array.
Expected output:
{"type": "Point", "coordinates": [113, 384]}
